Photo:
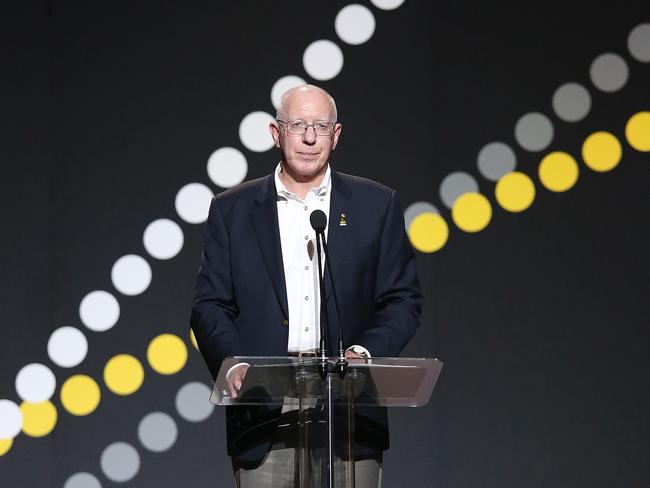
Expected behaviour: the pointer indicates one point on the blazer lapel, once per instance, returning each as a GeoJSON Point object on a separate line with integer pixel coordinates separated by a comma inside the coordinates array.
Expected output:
{"type": "Point", "coordinates": [264, 216]}
{"type": "Point", "coordinates": [339, 230]}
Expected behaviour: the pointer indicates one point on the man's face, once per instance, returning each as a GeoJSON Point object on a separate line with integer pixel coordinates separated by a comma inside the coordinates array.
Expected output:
{"type": "Point", "coordinates": [305, 156]}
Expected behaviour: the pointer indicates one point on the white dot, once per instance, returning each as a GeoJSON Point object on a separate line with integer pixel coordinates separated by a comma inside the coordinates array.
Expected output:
{"type": "Point", "coordinates": [99, 310]}
{"type": "Point", "coordinates": [131, 275]}
{"type": "Point", "coordinates": [387, 4]}
{"type": "Point", "coordinates": [11, 419]}
{"type": "Point", "coordinates": [227, 167]}
{"type": "Point", "coordinates": [354, 24]}
{"type": "Point", "coordinates": [35, 383]}
{"type": "Point", "coordinates": [254, 131]}
{"type": "Point", "coordinates": [322, 60]}
{"type": "Point", "coordinates": [193, 202]}
{"type": "Point", "coordinates": [67, 347]}
{"type": "Point", "coordinates": [163, 239]}
{"type": "Point", "coordinates": [609, 72]}
{"type": "Point", "coordinates": [282, 85]}
{"type": "Point", "coordinates": [638, 42]}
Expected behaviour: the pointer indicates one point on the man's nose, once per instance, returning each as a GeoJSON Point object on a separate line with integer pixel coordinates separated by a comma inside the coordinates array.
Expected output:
{"type": "Point", "coordinates": [309, 137]}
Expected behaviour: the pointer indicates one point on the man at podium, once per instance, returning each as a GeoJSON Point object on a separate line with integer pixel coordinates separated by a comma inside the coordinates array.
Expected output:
{"type": "Point", "coordinates": [257, 291]}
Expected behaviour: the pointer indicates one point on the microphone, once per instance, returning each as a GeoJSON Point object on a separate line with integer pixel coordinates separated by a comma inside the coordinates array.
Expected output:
{"type": "Point", "coordinates": [318, 221]}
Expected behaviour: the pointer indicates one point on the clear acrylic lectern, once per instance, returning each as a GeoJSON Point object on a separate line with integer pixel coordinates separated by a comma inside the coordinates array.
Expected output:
{"type": "Point", "coordinates": [323, 409]}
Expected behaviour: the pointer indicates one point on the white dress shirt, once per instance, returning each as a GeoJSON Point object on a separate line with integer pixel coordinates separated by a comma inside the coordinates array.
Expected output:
{"type": "Point", "coordinates": [300, 260]}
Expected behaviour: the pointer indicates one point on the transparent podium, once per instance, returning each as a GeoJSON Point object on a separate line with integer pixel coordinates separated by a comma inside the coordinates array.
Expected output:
{"type": "Point", "coordinates": [318, 408]}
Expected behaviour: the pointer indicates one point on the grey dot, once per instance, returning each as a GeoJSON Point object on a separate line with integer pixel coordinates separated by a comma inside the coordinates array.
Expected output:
{"type": "Point", "coordinates": [638, 42]}
{"type": "Point", "coordinates": [534, 131]}
{"type": "Point", "coordinates": [192, 402]}
{"type": "Point", "coordinates": [609, 72]}
{"type": "Point", "coordinates": [454, 185]}
{"type": "Point", "coordinates": [571, 102]}
{"type": "Point", "coordinates": [495, 160]}
{"type": "Point", "coordinates": [157, 431]}
{"type": "Point", "coordinates": [82, 480]}
{"type": "Point", "coordinates": [120, 462]}
{"type": "Point", "coordinates": [416, 209]}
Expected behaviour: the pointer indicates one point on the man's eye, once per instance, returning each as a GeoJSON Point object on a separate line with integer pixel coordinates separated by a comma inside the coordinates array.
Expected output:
{"type": "Point", "coordinates": [297, 124]}
{"type": "Point", "coordinates": [321, 126]}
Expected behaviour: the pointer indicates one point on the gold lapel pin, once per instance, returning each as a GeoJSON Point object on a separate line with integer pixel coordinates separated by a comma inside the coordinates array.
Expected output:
{"type": "Point", "coordinates": [342, 221]}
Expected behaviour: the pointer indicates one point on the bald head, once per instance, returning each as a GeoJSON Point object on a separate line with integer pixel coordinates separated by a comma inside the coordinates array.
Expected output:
{"type": "Point", "coordinates": [299, 95]}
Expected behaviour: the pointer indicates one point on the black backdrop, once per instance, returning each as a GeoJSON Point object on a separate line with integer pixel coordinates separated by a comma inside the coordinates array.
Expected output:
{"type": "Point", "coordinates": [541, 318]}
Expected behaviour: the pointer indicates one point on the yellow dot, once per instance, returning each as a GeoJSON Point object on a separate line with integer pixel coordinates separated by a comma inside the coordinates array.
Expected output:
{"type": "Point", "coordinates": [39, 419]}
{"type": "Point", "coordinates": [193, 340]}
{"type": "Point", "coordinates": [428, 232]}
{"type": "Point", "coordinates": [601, 151]}
{"type": "Point", "coordinates": [167, 354]}
{"type": "Point", "coordinates": [471, 212]}
{"type": "Point", "coordinates": [5, 445]}
{"type": "Point", "coordinates": [80, 395]}
{"type": "Point", "coordinates": [515, 192]}
{"type": "Point", "coordinates": [637, 131]}
{"type": "Point", "coordinates": [123, 374]}
{"type": "Point", "coordinates": [558, 171]}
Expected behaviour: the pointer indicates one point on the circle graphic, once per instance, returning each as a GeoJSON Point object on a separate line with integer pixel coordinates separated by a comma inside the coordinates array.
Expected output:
{"type": "Point", "coordinates": [120, 462]}
{"type": "Point", "coordinates": [322, 60]}
{"type": "Point", "coordinates": [283, 85]}
{"type": "Point", "coordinates": [163, 239]}
{"type": "Point", "coordinates": [571, 102]}
{"type": "Point", "coordinates": [495, 160]}
{"type": "Point", "coordinates": [534, 132]}
{"type": "Point", "coordinates": [227, 167]}
{"type": "Point", "coordinates": [387, 4]}
{"type": "Point", "coordinates": [157, 432]}
{"type": "Point", "coordinates": [515, 192]}
{"type": "Point", "coordinates": [609, 72]}
{"type": "Point", "coordinates": [5, 445]}
{"type": "Point", "coordinates": [35, 383]}
{"type": "Point", "coordinates": [80, 395]}
{"type": "Point", "coordinates": [11, 419]}
{"type": "Point", "coordinates": [415, 209]}
{"type": "Point", "coordinates": [254, 131]}
{"type": "Point", "coordinates": [67, 347]}
{"type": "Point", "coordinates": [193, 202]}
{"type": "Point", "coordinates": [99, 310]}
{"type": "Point", "coordinates": [638, 42]}
{"type": "Point", "coordinates": [167, 354]}
{"type": "Point", "coordinates": [123, 374]}
{"type": "Point", "coordinates": [131, 275]}
{"type": "Point", "coordinates": [558, 171]}
{"type": "Point", "coordinates": [82, 480]}
{"type": "Point", "coordinates": [354, 24]}
{"type": "Point", "coordinates": [471, 212]}
{"type": "Point", "coordinates": [601, 151]}
{"type": "Point", "coordinates": [456, 184]}
{"type": "Point", "coordinates": [192, 402]}
{"type": "Point", "coordinates": [428, 232]}
{"type": "Point", "coordinates": [637, 131]}
{"type": "Point", "coordinates": [39, 419]}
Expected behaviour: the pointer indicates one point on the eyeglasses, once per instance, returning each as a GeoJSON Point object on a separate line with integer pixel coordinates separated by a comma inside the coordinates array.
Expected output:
{"type": "Point", "coordinates": [299, 127]}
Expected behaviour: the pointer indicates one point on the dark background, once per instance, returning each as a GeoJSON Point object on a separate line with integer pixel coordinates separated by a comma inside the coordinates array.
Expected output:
{"type": "Point", "coordinates": [542, 320]}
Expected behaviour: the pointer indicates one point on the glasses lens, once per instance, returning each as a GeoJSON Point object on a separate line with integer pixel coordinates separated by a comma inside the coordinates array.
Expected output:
{"type": "Point", "coordinates": [322, 128]}
{"type": "Point", "coordinates": [297, 126]}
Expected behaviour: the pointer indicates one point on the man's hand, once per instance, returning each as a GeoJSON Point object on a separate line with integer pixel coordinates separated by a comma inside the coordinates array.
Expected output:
{"type": "Point", "coordinates": [350, 354]}
{"type": "Point", "coordinates": [236, 379]}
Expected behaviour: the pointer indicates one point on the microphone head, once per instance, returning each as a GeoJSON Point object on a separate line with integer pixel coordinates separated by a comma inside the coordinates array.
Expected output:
{"type": "Point", "coordinates": [318, 220]}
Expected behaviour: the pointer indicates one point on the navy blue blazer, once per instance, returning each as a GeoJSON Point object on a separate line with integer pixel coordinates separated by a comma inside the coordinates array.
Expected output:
{"type": "Point", "coordinates": [240, 306]}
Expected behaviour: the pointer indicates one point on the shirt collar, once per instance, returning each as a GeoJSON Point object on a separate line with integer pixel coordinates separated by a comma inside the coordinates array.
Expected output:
{"type": "Point", "coordinates": [321, 190]}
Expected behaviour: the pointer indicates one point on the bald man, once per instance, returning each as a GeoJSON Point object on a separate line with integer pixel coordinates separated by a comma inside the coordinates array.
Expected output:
{"type": "Point", "coordinates": [257, 288]}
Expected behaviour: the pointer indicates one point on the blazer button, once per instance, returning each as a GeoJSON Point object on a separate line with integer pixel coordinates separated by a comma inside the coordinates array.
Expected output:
{"type": "Point", "coordinates": [285, 322]}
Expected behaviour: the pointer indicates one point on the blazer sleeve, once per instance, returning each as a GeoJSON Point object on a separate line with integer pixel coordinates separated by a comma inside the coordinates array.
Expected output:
{"type": "Point", "coordinates": [214, 310]}
{"type": "Point", "coordinates": [398, 300]}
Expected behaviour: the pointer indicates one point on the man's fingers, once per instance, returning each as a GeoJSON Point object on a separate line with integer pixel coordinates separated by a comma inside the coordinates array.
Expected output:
{"type": "Point", "coordinates": [237, 380]}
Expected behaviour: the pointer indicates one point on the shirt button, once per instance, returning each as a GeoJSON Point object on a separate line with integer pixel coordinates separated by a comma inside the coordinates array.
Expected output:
{"type": "Point", "coordinates": [306, 238]}
{"type": "Point", "coordinates": [306, 298]}
{"type": "Point", "coordinates": [306, 329]}
{"type": "Point", "coordinates": [306, 268]}
{"type": "Point", "coordinates": [306, 207]}
{"type": "Point", "coordinates": [322, 199]}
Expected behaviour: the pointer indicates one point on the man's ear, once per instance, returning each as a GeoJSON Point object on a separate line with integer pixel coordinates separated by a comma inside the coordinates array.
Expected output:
{"type": "Point", "coordinates": [274, 129]}
{"type": "Point", "coordinates": [335, 136]}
